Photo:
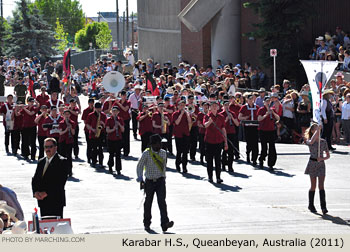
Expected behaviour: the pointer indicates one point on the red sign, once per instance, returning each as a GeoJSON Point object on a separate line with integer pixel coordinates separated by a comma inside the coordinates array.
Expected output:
{"type": "Point", "coordinates": [273, 52]}
{"type": "Point", "coordinates": [47, 224]}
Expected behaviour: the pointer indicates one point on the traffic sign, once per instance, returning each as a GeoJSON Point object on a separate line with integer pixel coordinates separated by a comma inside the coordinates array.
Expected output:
{"type": "Point", "coordinates": [273, 52]}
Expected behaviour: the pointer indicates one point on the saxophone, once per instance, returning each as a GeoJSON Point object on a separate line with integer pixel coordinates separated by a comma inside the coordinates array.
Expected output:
{"type": "Point", "coordinates": [163, 124]}
{"type": "Point", "coordinates": [98, 126]}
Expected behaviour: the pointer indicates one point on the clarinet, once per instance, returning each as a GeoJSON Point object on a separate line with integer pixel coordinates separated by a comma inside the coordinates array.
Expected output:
{"type": "Point", "coordinates": [229, 117]}
{"type": "Point", "coordinates": [116, 124]}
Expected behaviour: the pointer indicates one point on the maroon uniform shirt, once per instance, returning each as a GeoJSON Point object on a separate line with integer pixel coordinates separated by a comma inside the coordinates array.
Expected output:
{"type": "Point", "coordinates": [267, 124]}
{"type": "Point", "coordinates": [182, 129]}
{"type": "Point", "coordinates": [42, 99]}
{"type": "Point", "coordinates": [230, 129]}
{"type": "Point", "coordinates": [55, 103]}
{"type": "Point", "coordinates": [52, 132]}
{"type": "Point", "coordinates": [212, 134]}
{"type": "Point", "coordinates": [92, 121]}
{"type": "Point", "coordinates": [3, 110]}
{"type": "Point", "coordinates": [86, 112]}
{"type": "Point", "coordinates": [200, 120]}
{"type": "Point", "coordinates": [18, 121]}
{"type": "Point", "coordinates": [252, 112]}
{"type": "Point", "coordinates": [110, 123]}
{"type": "Point", "coordinates": [28, 120]}
{"type": "Point", "coordinates": [41, 131]}
{"type": "Point", "coordinates": [74, 118]}
{"type": "Point", "coordinates": [157, 118]}
{"type": "Point", "coordinates": [146, 124]}
{"type": "Point", "coordinates": [67, 137]}
{"type": "Point", "coordinates": [125, 115]}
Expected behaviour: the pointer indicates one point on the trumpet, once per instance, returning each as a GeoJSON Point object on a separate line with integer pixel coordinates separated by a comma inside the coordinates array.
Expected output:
{"type": "Point", "coordinates": [164, 124]}
{"type": "Point", "coordinates": [150, 113]}
{"type": "Point", "coordinates": [98, 126]}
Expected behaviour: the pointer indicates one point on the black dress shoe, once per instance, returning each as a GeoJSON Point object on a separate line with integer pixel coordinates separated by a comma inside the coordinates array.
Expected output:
{"type": "Point", "coordinates": [110, 170]}
{"type": "Point", "coordinates": [261, 164]}
{"type": "Point", "coordinates": [312, 209]}
{"type": "Point", "coordinates": [170, 224]}
{"type": "Point", "coordinates": [147, 228]}
{"type": "Point", "coordinates": [178, 168]}
{"type": "Point", "coordinates": [210, 180]}
{"type": "Point", "coordinates": [254, 163]}
{"type": "Point", "coordinates": [324, 210]}
{"type": "Point", "coordinates": [230, 170]}
{"type": "Point", "coordinates": [119, 173]}
{"type": "Point", "coordinates": [185, 170]}
{"type": "Point", "coordinates": [271, 168]}
{"type": "Point", "coordinates": [219, 181]}
{"type": "Point", "coordinates": [248, 160]}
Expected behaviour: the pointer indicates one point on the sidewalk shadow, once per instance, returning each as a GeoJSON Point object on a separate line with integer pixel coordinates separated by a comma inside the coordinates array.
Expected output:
{"type": "Point", "coordinates": [276, 172]}
{"type": "Point", "coordinates": [192, 176]}
{"type": "Point", "coordinates": [151, 232]}
{"type": "Point", "coordinates": [294, 154]}
{"type": "Point", "coordinates": [239, 175]}
{"type": "Point", "coordinates": [168, 169]}
{"type": "Point", "coordinates": [78, 160]}
{"type": "Point", "coordinates": [130, 158]}
{"type": "Point", "coordinates": [73, 179]}
{"type": "Point", "coordinates": [341, 152]}
{"type": "Point", "coordinates": [227, 188]}
{"type": "Point", "coordinates": [122, 177]}
{"type": "Point", "coordinates": [334, 219]}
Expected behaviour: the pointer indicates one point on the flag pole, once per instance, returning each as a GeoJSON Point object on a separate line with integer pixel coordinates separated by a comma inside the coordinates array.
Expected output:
{"type": "Point", "coordinates": [319, 132]}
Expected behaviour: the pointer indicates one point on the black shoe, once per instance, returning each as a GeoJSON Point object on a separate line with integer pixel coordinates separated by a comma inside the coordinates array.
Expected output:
{"type": "Point", "coordinates": [324, 210]}
{"type": "Point", "coordinates": [193, 159]}
{"type": "Point", "coordinates": [210, 180]}
{"type": "Point", "coordinates": [147, 228]}
{"type": "Point", "coordinates": [93, 165]}
{"type": "Point", "coordinates": [70, 175]}
{"type": "Point", "coordinates": [119, 173]}
{"type": "Point", "coordinates": [135, 137]}
{"type": "Point", "coordinates": [219, 181]}
{"type": "Point", "coordinates": [261, 164]}
{"type": "Point", "coordinates": [184, 170]}
{"type": "Point", "coordinates": [248, 160]}
{"type": "Point", "coordinates": [170, 224]}
{"type": "Point", "coordinates": [178, 168]}
{"type": "Point", "coordinates": [230, 170]}
{"type": "Point", "coordinates": [271, 168]}
{"type": "Point", "coordinates": [76, 157]}
{"type": "Point", "coordinates": [312, 209]}
{"type": "Point", "coordinates": [254, 163]}
{"type": "Point", "coordinates": [110, 170]}
{"type": "Point", "coordinates": [7, 149]}
{"type": "Point", "coordinates": [89, 161]}
{"type": "Point", "coordinates": [223, 168]}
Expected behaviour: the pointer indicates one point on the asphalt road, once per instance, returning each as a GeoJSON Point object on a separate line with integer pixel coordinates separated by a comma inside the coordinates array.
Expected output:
{"type": "Point", "coordinates": [250, 201]}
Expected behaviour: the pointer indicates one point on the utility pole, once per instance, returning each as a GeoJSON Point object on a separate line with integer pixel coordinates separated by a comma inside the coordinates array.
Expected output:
{"type": "Point", "coordinates": [2, 10]}
{"type": "Point", "coordinates": [123, 30]}
{"type": "Point", "coordinates": [99, 16]}
{"type": "Point", "coordinates": [132, 32]}
{"type": "Point", "coordinates": [127, 22]}
{"type": "Point", "coordinates": [117, 19]}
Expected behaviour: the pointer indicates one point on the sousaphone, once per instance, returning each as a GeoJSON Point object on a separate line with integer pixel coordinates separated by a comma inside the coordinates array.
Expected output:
{"type": "Point", "coordinates": [113, 82]}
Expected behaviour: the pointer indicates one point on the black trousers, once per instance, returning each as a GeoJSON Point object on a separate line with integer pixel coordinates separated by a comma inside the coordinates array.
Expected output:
{"type": "Point", "coordinates": [145, 140]}
{"type": "Point", "coordinates": [252, 139]}
{"type": "Point", "coordinates": [193, 141]}
{"type": "Point", "coordinates": [327, 132]}
{"type": "Point", "coordinates": [201, 144]}
{"type": "Point", "coordinates": [235, 142]}
{"type": "Point", "coordinates": [165, 146]}
{"type": "Point", "coordinates": [227, 156]}
{"type": "Point", "coordinates": [16, 136]}
{"type": "Point", "coordinates": [182, 148]}
{"type": "Point", "coordinates": [213, 152]}
{"type": "Point", "coordinates": [267, 139]}
{"type": "Point", "coordinates": [170, 138]}
{"type": "Point", "coordinates": [8, 134]}
{"type": "Point", "coordinates": [41, 145]}
{"type": "Point", "coordinates": [114, 148]}
{"type": "Point", "coordinates": [126, 138]}
{"type": "Point", "coordinates": [159, 188]}
{"type": "Point", "coordinates": [134, 114]}
{"type": "Point", "coordinates": [88, 146]}
{"type": "Point", "coordinates": [66, 151]}
{"type": "Point", "coordinates": [75, 144]}
{"type": "Point", "coordinates": [51, 211]}
{"type": "Point", "coordinates": [29, 139]}
{"type": "Point", "coordinates": [97, 149]}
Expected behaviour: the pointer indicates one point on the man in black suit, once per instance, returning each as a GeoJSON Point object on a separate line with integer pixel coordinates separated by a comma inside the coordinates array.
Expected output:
{"type": "Point", "coordinates": [49, 180]}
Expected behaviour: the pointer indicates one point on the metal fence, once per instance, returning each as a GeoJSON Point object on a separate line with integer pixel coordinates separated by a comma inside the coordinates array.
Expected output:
{"type": "Point", "coordinates": [87, 58]}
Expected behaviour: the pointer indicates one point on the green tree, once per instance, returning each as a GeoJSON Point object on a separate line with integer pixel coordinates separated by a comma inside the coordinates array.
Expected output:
{"type": "Point", "coordinates": [104, 36]}
{"type": "Point", "coordinates": [69, 13]}
{"type": "Point", "coordinates": [4, 34]}
{"type": "Point", "coordinates": [95, 33]}
{"type": "Point", "coordinates": [282, 22]}
{"type": "Point", "coordinates": [61, 36]}
{"type": "Point", "coordinates": [30, 34]}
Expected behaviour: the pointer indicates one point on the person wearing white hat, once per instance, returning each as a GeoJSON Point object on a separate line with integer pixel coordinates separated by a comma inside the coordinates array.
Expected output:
{"type": "Point", "coordinates": [135, 100]}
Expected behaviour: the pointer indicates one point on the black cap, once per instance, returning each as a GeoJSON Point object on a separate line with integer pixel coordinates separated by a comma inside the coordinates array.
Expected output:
{"type": "Point", "coordinates": [214, 102]}
{"type": "Point", "coordinates": [267, 98]}
{"type": "Point", "coordinates": [66, 110]}
{"type": "Point", "coordinates": [91, 100]}
{"type": "Point", "coordinates": [115, 108]}
{"type": "Point", "coordinates": [190, 97]}
{"type": "Point", "coordinates": [31, 99]}
{"type": "Point", "coordinates": [250, 96]}
{"type": "Point", "coordinates": [161, 104]}
{"type": "Point", "coordinates": [225, 102]}
{"type": "Point", "coordinates": [167, 98]}
{"type": "Point", "coordinates": [53, 107]}
{"type": "Point", "coordinates": [98, 105]}
{"type": "Point", "coordinates": [182, 101]}
{"type": "Point", "coordinates": [43, 107]}
{"type": "Point", "coordinates": [154, 139]}
{"type": "Point", "coordinates": [72, 100]}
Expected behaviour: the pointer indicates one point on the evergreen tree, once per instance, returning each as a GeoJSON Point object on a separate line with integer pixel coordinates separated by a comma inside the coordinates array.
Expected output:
{"type": "Point", "coordinates": [4, 33]}
{"type": "Point", "coordinates": [31, 35]}
{"type": "Point", "coordinates": [280, 28]}
{"type": "Point", "coordinates": [96, 33]}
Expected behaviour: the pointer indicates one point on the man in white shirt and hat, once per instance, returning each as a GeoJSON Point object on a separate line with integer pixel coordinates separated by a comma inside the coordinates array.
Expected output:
{"type": "Point", "coordinates": [135, 99]}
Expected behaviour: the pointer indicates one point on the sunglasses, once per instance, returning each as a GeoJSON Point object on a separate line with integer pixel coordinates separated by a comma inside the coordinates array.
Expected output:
{"type": "Point", "coordinates": [48, 146]}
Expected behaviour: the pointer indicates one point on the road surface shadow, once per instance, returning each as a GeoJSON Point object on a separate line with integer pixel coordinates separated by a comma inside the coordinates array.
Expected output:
{"type": "Point", "coordinates": [73, 179]}
{"type": "Point", "coordinates": [121, 176]}
{"type": "Point", "coordinates": [276, 172]}
{"type": "Point", "coordinates": [79, 160]}
{"type": "Point", "coordinates": [340, 152]}
{"type": "Point", "coordinates": [151, 231]}
{"type": "Point", "coordinates": [130, 158]}
{"type": "Point", "coordinates": [294, 154]}
{"type": "Point", "coordinates": [192, 176]}
{"type": "Point", "coordinates": [239, 175]}
{"type": "Point", "coordinates": [227, 188]}
{"type": "Point", "coordinates": [334, 219]}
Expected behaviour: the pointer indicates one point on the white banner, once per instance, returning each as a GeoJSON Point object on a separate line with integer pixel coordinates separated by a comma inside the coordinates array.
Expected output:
{"type": "Point", "coordinates": [318, 73]}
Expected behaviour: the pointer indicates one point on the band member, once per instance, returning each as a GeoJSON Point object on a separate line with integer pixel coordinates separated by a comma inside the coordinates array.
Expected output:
{"type": "Point", "coordinates": [39, 120]}
{"type": "Point", "coordinates": [316, 167]}
{"type": "Point", "coordinates": [215, 137]}
{"type": "Point", "coordinates": [249, 112]}
{"type": "Point", "coordinates": [327, 114]}
{"type": "Point", "coordinates": [201, 130]}
{"type": "Point", "coordinates": [235, 107]}
{"type": "Point", "coordinates": [193, 111]}
{"type": "Point", "coordinates": [231, 122]}
{"type": "Point", "coordinates": [51, 124]}
{"type": "Point", "coordinates": [54, 101]}
{"type": "Point", "coordinates": [124, 106]}
{"type": "Point", "coordinates": [29, 129]}
{"type": "Point", "coordinates": [145, 126]}
{"type": "Point", "coordinates": [95, 123]}
{"type": "Point", "coordinates": [135, 99]}
{"type": "Point", "coordinates": [267, 118]}
{"type": "Point", "coordinates": [6, 110]}
{"type": "Point", "coordinates": [43, 98]}
{"type": "Point", "coordinates": [182, 122]}
{"type": "Point", "coordinates": [107, 104]}
{"type": "Point", "coordinates": [115, 129]}
{"type": "Point", "coordinates": [17, 127]}
{"type": "Point", "coordinates": [67, 130]}
{"type": "Point", "coordinates": [153, 161]}
{"type": "Point", "coordinates": [161, 122]}
{"type": "Point", "coordinates": [74, 112]}
{"type": "Point", "coordinates": [170, 109]}
{"type": "Point", "coordinates": [86, 112]}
